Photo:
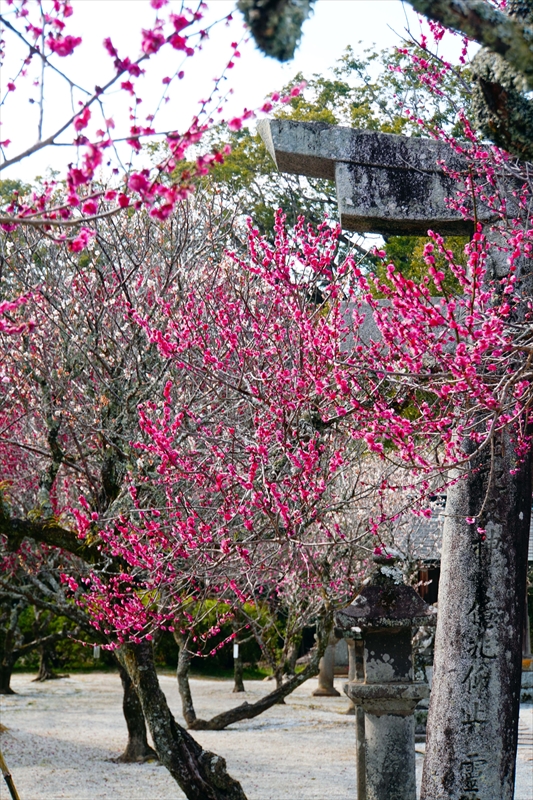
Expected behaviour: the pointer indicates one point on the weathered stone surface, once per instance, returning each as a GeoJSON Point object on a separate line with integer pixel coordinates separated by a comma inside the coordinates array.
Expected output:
{"type": "Point", "coordinates": [473, 712]}
{"type": "Point", "coordinates": [385, 183]}
{"type": "Point", "coordinates": [474, 707]}
{"type": "Point", "coordinates": [392, 698]}
{"type": "Point", "coordinates": [386, 607]}
{"type": "Point", "coordinates": [390, 757]}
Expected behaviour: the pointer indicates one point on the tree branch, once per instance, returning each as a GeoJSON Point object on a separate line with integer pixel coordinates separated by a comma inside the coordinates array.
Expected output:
{"type": "Point", "coordinates": [47, 532]}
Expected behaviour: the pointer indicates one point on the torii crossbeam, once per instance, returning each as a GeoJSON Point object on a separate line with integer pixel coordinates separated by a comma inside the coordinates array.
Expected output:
{"type": "Point", "coordinates": [385, 183]}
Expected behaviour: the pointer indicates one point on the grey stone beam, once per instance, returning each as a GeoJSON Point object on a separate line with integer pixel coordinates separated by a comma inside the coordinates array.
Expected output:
{"type": "Point", "coordinates": [385, 183]}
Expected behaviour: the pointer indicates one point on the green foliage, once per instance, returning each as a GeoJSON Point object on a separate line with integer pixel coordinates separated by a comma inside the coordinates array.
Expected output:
{"type": "Point", "coordinates": [213, 655]}
{"type": "Point", "coordinates": [9, 186]}
{"type": "Point", "coordinates": [407, 255]}
{"type": "Point", "coordinates": [372, 90]}
{"type": "Point", "coordinates": [69, 655]}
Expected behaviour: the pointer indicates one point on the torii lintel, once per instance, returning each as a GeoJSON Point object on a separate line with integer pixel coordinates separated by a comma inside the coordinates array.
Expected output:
{"type": "Point", "coordinates": [385, 183]}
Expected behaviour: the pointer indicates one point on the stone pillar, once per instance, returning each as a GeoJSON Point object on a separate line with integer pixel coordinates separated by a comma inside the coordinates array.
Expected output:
{"type": "Point", "coordinates": [390, 753]}
{"type": "Point", "coordinates": [385, 613]}
{"type": "Point", "coordinates": [350, 643]}
{"type": "Point", "coordinates": [327, 672]}
{"type": "Point", "coordinates": [472, 728]}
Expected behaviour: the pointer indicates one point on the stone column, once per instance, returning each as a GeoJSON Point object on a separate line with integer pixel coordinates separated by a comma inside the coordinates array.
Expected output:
{"type": "Point", "coordinates": [472, 727]}
{"type": "Point", "coordinates": [327, 672]}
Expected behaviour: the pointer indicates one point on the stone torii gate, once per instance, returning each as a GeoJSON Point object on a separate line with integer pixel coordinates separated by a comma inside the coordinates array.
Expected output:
{"type": "Point", "coordinates": [396, 185]}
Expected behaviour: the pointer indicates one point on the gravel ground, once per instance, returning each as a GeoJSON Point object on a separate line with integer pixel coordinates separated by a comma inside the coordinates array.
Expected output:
{"type": "Point", "coordinates": [63, 735]}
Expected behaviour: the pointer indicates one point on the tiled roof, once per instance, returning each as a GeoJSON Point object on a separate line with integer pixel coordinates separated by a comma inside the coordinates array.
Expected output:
{"type": "Point", "coordinates": [423, 539]}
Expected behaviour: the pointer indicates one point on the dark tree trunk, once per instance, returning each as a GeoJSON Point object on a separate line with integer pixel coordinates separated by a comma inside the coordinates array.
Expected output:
{"type": "Point", "coordinates": [182, 674]}
{"type": "Point", "coordinates": [200, 774]}
{"type": "Point", "coordinates": [46, 673]}
{"type": "Point", "coordinates": [238, 685]}
{"type": "Point", "coordinates": [8, 647]}
{"type": "Point", "coordinates": [292, 656]}
{"type": "Point", "coordinates": [278, 677]}
{"type": "Point", "coordinates": [11, 652]}
{"type": "Point", "coordinates": [137, 749]}
{"type": "Point", "coordinates": [473, 714]}
{"type": "Point", "coordinates": [6, 670]}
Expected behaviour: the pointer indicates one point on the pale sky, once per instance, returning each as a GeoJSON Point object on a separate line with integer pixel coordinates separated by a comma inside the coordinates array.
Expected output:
{"type": "Point", "coordinates": [334, 25]}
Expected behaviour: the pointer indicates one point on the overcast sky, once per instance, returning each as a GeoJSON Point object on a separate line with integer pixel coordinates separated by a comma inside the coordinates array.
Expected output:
{"type": "Point", "coordinates": [334, 25]}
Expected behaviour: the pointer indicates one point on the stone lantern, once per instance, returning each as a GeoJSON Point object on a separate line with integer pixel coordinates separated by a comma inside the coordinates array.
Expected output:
{"type": "Point", "coordinates": [385, 614]}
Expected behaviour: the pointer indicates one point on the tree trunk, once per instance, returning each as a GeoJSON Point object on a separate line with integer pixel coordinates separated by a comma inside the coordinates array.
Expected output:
{"type": "Point", "coordinates": [137, 749]}
{"type": "Point", "coordinates": [182, 674]}
{"type": "Point", "coordinates": [200, 774]}
{"type": "Point", "coordinates": [46, 673]}
{"type": "Point", "coordinates": [10, 654]}
{"type": "Point", "coordinates": [6, 670]}
{"type": "Point", "coordinates": [238, 684]}
{"type": "Point", "coordinates": [292, 655]}
{"type": "Point", "coordinates": [278, 677]}
{"type": "Point", "coordinates": [473, 714]}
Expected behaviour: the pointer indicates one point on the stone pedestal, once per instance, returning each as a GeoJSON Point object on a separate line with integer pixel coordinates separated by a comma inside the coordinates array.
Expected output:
{"type": "Point", "coordinates": [351, 671]}
{"type": "Point", "coordinates": [389, 735]}
{"type": "Point", "coordinates": [326, 672]}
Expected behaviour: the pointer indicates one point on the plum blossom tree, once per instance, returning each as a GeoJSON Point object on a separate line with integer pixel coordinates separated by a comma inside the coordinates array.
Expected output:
{"type": "Point", "coordinates": [265, 436]}
{"type": "Point", "coordinates": [70, 413]}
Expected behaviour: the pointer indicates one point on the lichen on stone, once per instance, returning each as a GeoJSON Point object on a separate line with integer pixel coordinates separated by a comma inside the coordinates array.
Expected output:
{"type": "Point", "coordinates": [393, 573]}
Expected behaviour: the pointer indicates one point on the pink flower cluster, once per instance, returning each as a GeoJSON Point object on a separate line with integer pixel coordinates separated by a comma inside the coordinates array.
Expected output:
{"type": "Point", "coordinates": [164, 185]}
